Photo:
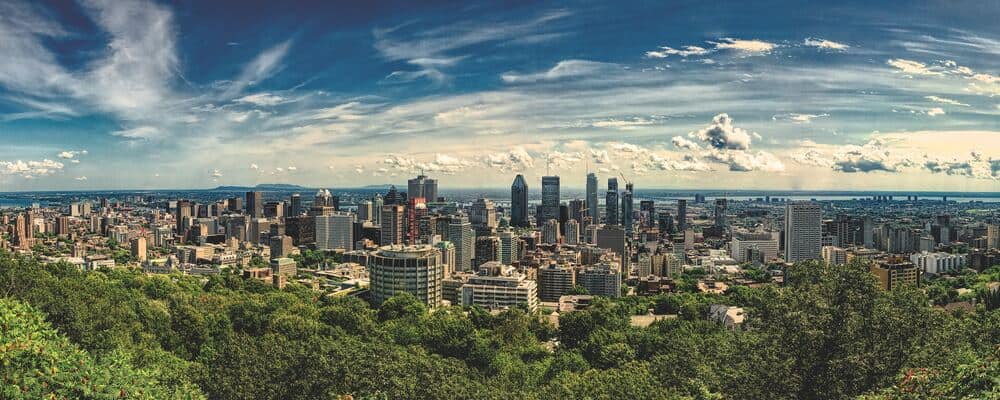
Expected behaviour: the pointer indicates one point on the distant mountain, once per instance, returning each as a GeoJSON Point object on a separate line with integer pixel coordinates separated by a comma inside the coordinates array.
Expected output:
{"type": "Point", "coordinates": [262, 186]}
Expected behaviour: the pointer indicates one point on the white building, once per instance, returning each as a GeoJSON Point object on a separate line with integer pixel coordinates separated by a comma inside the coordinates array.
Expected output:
{"type": "Point", "coordinates": [335, 231]}
{"type": "Point", "coordinates": [803, 231]}
{"type": "Point", "coordinates": [496, 286]}
{"type": "Point", "coordinates": [833, 255]}
{"type": "Point", "coordinates": [744, 243]}
{"type": "Point", "coordinates": [936, 263]}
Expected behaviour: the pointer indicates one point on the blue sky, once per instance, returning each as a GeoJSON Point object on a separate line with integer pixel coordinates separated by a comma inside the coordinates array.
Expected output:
{"type": "Point", "coordinates": [744, 95]}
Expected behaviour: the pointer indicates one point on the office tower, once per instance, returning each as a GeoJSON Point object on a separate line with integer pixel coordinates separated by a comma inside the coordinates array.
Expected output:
{"type": "Point", "coordinates": [365, 211]}
{"type": "Point", "coordinates": [519, 202]}
{"type": "Point", "coordinates": [555, 280]}
{"type": "Point", "coordinates": [612, 237]}
{"type": "Point", "coordinates": [427, 226]}
{"type": "Point", "coordinates": [324, 198]}
{"type": "Point", "coordinates": [392, 224]}
{"type": "Point", "coordinates": [281, 246]}
{"type": "Point", "coordinates": [601, 279]}
{"type": "Point", "coordinates": [488, 249]}
{"type": "Point", "coordinates": [274, 209]}
{"type": "Point", "coordinates": [335, 232]}
{"type": "Point", "coordinates": [484, 213]}
{"type": "Point", "coordinates": [993, 236]}
{"type": "Point", "coordinates": [647, 213]}
{"type": "Point", "coordinates": [497, 287]}
{"type": "Point", "coordinates": [572, 235]}
{"type": "Point", "coordinates": [550, 198]}
{"type": "Point", "coordinates": [720, 213]}
{"type": "Point", "coordinates": [416, 270]}
{"type": "Point", "coordinates": [447, 250]}
{"type": "Point", "coordinates": [896, 273]}
{"type": "Point", "coordinates": [255, 205]}
{"type": "Point", "coordinates": [258, 230]}
{"type": "Point", "coordinates": [460, 233]}
{"type": "Point", "coordinates": [20, 232]}
{"type": "Point", "coordinates": [235, 204]}
{"type": "Point", "coordinates": [745, 244]}
{"type": "Point", "coordinates": [62, 225]}
{"type": "Point", "coordinates": [592, 210]}
{"type": "Point", "coordinates": [394, 197]}
{"type": "Point", "coordinates": [295, 205]}
{"type": "Point", "coordinates": [302, 229]}
{"type": "Point", "coordinates": [681, 215]}
{"type": "Point", "coordinates": [611, 203]}
{"type": "Point", "coordinates": [803, 231]}
{"type": "Point", "coordinates": [510, 245]}
{"type": "Point", "coordinates": [139, 248]}
{"type": "Point", "coordinates": [416, 208]}
{"type": "Point", "coordinates": [627, 207]}
{"type": "Point", "coordinates": [377, 204]}
{"type": "Point", "coordinates": [578, 211]}
{"type": "Point", "coordinates": [422, 186]}
{"type": "Point", "coordinates": [550, 232]}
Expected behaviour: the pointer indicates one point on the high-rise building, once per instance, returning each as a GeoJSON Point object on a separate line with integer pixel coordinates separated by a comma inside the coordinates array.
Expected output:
{"type": "Point", "coordinates": [510, 245]}
{"type": "Point", "coordinates": [62, 225]}
{"type": "Point", "coordinates": [461, 234]}
{"type": "Point", "coordinates": [182, 215]}
{"type": "Point", "coordinates": [612, 237]}
{"type": "Point", "coordinates": [555, 280]}
{"type": "Point", "coordinates": [416, 208]}
{"type": "Point", "coordinates": [488, 249]}
{"type": "Point", "coordinates": [833, 255]}
{"type": "Point", "coordinates": [139, 248]}
{"type": "Point", "coordinates": [295, 205]}
{"type": "Point", "coordinates": [601, 279]}
{"type": "Point", "coordinates": [572, 235]}
{"type": "Point", "coordinates": [377, 204]}
{"type": "Point", "coordinates": [628, 206]}
{"type": "Point", "coordinates": [720, 213]}
{"type": "Point", "coordinates": [335, 231]}
{"type": "Point", "coordinates": [302, 229]}
{"type": "Point", "coordinates": [483, 213]}
{"type": "Point", "coordinates": [392, 224]}
{"type": "Point", "coordinates": [611, 203]}
{"type": "Point", "coordinates": [550, 198]}
{"type": "Point", "coordinates": [896, 273]}
{"type": "Point", "coordinates": [422, 186]}
{"type": "Point", "coordinates": [592, 210]}
{"type": "Point", "coordinates": [993, 236]}
{"type": "Point", "coordinates": [255, 205]}
{"type": "Point", "coordinates": [803, 231]}
{"type": "Point", "coordinates": [746, 245]}
{"type": "Point", "coordinates": [416, 270]}
{"type": "Point", "coordinates": [550, 231]}
{"type": "Point", "coordinates": [681, 215]}
{"type": "Point", "coordinates": [519, 202]}
{"type": "Point", "coordinates": [365, 211]}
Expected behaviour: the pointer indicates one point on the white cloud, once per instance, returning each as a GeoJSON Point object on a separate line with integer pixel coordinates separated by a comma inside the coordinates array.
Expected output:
{"type": "Point", "coordinates": [68, 154]}
{"type": "Point", "coordinates": [912, 67]}
{"type": "Point", "coordinates": [825, 44]}
{"type": "Point", "coordinates": [798, 118]}
{"type": "Point", "coordinates": [933, 112]}
{"type": "Point", "coordinates": [142, 132]}
{"type": "Point", "coordinates": [681, 142]}
{"type": "Point", "coordinates": [622, 124]}
{"type": "Point", "coordinates": [262, 99]}
{"type": "Point", "coordinates": [30, 169]}
{"type": "Point", "coordinates": [665, 51]}
{"type": "Point", "coordinates": [80, 178]}
{"type": "Point", "coordinates": [260, 68]}
{"type": "Point", "coordinates": [216, 173]}
{"type": "Point", "coordinates": [946, 101]}
{"type": "Point", "coordinates": [751, 47]}
{"type": "Point", "coordinates": [721, 134]}
{"type": "Point", "coordinates": [562, 70]}
{"type": "Point", "coordinates": [517, 159]}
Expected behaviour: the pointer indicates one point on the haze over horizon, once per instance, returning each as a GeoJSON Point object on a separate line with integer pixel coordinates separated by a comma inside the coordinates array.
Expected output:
{"type": "Point", "coordinates": [142, 94]}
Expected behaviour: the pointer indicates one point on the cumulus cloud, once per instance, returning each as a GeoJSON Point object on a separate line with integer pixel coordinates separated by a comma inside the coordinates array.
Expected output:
{"type": "Point", "coordinates": [517, 159]}
{"type": "Point", "coordinates": [825, 44]}
{"type": "Point", "coordinates": [600, 156]}
{"type": "Point", "coordinates": [30, 169]}
{"type": "Point", "coordinates": [69, 154]}
{"type": "Point", "coordinates": [745, 161]}
{"type": "Point", "coordinates": [721, 134]}
{"type": "Point", "coordinates": [870, 157]}
{"type": "Point", "coordinates": [681, 142]}
{"type": "Point", "coordinates": [976, 166]}
{"type": "Point", "coordinates": [750, 47]}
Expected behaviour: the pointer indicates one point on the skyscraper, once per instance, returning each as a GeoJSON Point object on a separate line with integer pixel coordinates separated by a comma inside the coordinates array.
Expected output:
{"type": "Point", "coordinates": [595, 213]}
{"type": "Point", "coordinates": [335, 231]}
{"type": "Point", "coordinates": [803, 231]}
{"type": "Point", "coordinates": [484, 213]}
{"type": "Point", "coordinates": [377, 204]}
{"type": "Point", "coordinates": [461, 234]}
{"type": "Point", "coordinates": [611, 203]}
{"type": "Point", "coordinates": [392, 224]}
{"type": "Point", "coordinates": [627, 207]}
{"type": "Point", "coordinates": [422, 186]}
{"type": "Point", "coordinates": [682, 206]}
{"type": "Point", "coordinates": [720, 213]}
{"type": "Point", "coordinates": [255, 205]}
{"type": "Point", "coordinates": [295, 206]}
{"type": "Point", "coordinates": [519, 202]}
{"type": "Point", "coordinates": [550, 197]}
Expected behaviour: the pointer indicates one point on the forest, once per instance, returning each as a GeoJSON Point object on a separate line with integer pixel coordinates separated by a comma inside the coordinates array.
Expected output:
{"type": "Point", "coordinates": [828, 333]}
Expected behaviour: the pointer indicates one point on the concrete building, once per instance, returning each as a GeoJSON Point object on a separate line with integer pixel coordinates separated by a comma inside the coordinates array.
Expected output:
{"type": "Point", "coordinates": [896, 273]}
{"type": "Point", "coordinates": [138, 246]}
{"type": "Point", "coordinates": [283, 266]}
{"type": "Point", "coordinates": [398, 269]}
{"type": "Point", "coordinates": [833, 255]}
{"type": "Point", "coordinates": [936, 263]}
{"type": "Point", "coordinates": [392, 224]}
{"type": "Point", "coordinates": [555, 280]}
{"type": "Point", "coordinates": [550, 231]}
{"type": "Point", "coordinates": [496, 287]}
{"type": "Point", "coordinates": [743, 242]}
{"type": "Point", "coordinates": [601, 279]}
{"type": "Point", "coordinates": [803, 231]}
{"type": "Point", "coordinates": [572, 232]}
{"type": "Point", "coordinates": [550, 198]}
{"type": "Point", "coordinates": [335, 231]}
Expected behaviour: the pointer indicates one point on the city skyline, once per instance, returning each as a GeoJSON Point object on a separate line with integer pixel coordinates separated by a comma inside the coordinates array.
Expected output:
{"type": "Point", "coordinates": [151, 95]}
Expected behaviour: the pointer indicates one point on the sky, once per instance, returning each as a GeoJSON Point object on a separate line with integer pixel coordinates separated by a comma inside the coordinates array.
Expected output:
{"type": "Point", "coordinates": [141, 94]}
